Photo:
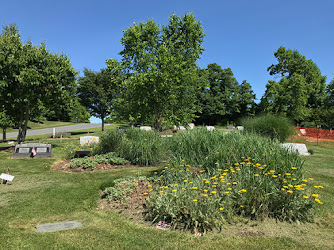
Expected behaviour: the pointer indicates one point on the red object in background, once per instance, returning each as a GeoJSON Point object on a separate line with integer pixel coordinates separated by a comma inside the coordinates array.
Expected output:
{"type": "Point", "coordinates": [313, 132]}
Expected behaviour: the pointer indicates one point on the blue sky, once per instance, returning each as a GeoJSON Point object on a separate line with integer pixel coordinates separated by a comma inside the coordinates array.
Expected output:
{"type": "Point", "coordinates": [240, 34]}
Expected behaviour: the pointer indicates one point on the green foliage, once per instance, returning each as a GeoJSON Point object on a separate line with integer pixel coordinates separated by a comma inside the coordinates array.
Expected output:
{"type": "Point", "coordinates": [238, 175]}
{"type": "Point", "coordinates": [269, 125]}
{"type": "Point", "coordinates": [122, 188]}
{"type": "Point", "coordinates": [224, 99]}
{"type": "Point", "coordinates": [162, 75]}
{"type": "Point", "coordinates": [97, 90]}
{"type": "Point", "coordinates": [91, 162]}
{"type": "Point", "coordinates": [301, 89]}
{"type": "Point", "coordinates": [143, 147]}
{"type": "Point", "coordinates": [137, 146]}
{"type": "Point", "coordinates": [31, 78]}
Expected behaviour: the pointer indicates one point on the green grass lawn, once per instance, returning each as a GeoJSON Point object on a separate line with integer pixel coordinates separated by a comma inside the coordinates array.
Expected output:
{"type": "Point", "coordinates": [40, 195]}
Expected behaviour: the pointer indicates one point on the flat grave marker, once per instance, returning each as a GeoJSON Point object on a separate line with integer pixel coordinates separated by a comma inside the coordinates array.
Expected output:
{"type": "Point", "coordinates": [89, 140]}
{"type": "Point", "coordinates": [51, 227]}
{"type": "Point", "coordinates": [37, 150]}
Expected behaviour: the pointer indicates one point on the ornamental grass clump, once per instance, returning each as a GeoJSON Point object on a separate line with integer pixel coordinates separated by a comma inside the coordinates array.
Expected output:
{"type": "Point", "coordinates": [269, 125]}
{"type": "Point", "coordinates": [244, 175]}
{"type": "Point", "coordinates": [138, 146]}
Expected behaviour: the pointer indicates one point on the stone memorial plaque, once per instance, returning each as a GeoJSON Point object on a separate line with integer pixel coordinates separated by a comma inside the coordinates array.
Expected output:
{"type": "Point", "coordinates": [24, 150]}
{"type": "Point", "coordinates": [57, 226]}
{"type": "Point", "coordinates": [240, 128]}
{"type": "Point", "coordinates": [299, 148]}
{"type": "Point", "coordinates": [146, 128]}
{"type": "Point", "coordinates": [210, 128]}
{"type": "Point", "coordinates": [41, 150]}
{"type": "Point", "coordinates": [6, 177]}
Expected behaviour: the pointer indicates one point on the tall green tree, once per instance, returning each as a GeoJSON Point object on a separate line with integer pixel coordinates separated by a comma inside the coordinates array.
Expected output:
{"type": "Point", "coordinates": [30, 76]}
{"type": "Point", "coordinates": [301, 89]}
{"type": "Point", "coordinates": [224, 99]}
{"type": "Point", "coordinates": [162, 73]}
{"type": "Point", "coordinates": [96, 92]}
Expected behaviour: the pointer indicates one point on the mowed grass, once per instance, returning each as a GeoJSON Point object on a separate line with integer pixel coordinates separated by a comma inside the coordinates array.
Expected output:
{"type": "Point", "coordinates": [40, 195]}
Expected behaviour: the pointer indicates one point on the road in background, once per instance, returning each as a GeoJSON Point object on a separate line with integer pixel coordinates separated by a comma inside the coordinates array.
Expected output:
{"type": "Point", "coordinates": [58, 129]}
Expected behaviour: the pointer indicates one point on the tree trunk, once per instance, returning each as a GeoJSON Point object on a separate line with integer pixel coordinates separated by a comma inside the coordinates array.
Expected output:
{"type": "Point", "coordinates": [102, 118]}
{"type": "Point", "coordinates": [26, 124]}
{"type": "Point", "coordinates": [20, 128]}
{"type": "Point", "coordinates": [4, 138]}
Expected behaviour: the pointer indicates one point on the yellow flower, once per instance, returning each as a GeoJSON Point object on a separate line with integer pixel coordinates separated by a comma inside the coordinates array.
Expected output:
{"type": "Point", "coordinates": [216, 163]}
{"type": "Point", "coordinates": [283, 189]}
{"type": "Point", "coordinates": [217, 152]}
{"type": "Point", "coordinates": [219, 169]}
{"type": "Point", "coordinates": [304, 180]}
{"type": "Point", "coordinates": [241, 206]}
{"type": "Point", "coordinates": [191, 182]}
{"type": "Point", "coordinates": [229, 189]}
{"type": "Point", "coordinates": [161, 191]}
{"type": "Point", "coordinates": [184, 189]}
{"type": "Point", "coordinates": [185, 180]}
{"type": "Point", "coordinates": [311, 179]}
{"type": "Point", "coordinates": [290, 191]}
{"type": "Point", "coordinates": [207, 182]}
{"type": "Point", "coordinates": [194, 200]}
{"type": "Point", "coordinates": [205, 195]}
{"type": "Point", "coordinates": [227, 192]}
{"type": "Point", "coordinates": [228, 183]}
{"type": "Point", "coordinates": [256, 174]}
{"type": "Point", "coordinates": [294, 179]}
{"type": "Point", "coordinates": [149, 186]}
{"type": "Point", "coordinates": [236, 164]}
{"type": "Point", "coordinates": [234, 183]}
{"type": "Point", "coordinates": [194, 187]}
{"type": "Point", "coordinates": [315, 195]}
{"type": "Point", "coordinates": [221, 209]}
{"type": "Point", "coordinates": [145, 193]}
{"type": "Point", "coordinates": [166, 167]}
{"type": "Point", "coordinates": [175, 185]}
{"type": "Point", "coordinates": [205, 190]}
{"type": "Point", "coordinates": [242, 163]}
{"type": "Point", "coordinates": [293, 168]}
{"type": "Point", "coordinates": [242, 191]}
{"type": "Point", "coordinates": [214, 186]}
{"type": "Point", "coordinates": [213, 192]}
{"type": "Point", "coordinates": [174, 190]}
{"type": "Point", "coordinates": [165, 187]}
{"type": "Point", "coordinates": [305, 197]}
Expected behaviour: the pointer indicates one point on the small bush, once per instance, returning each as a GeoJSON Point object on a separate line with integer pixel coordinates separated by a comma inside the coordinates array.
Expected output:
{"type": "Point", "coordinates": [272, 126]}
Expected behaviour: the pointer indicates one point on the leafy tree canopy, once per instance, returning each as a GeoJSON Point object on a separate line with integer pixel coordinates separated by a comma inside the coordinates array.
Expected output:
{"type": "Point", "coordinates": [30, 76]}
{"type": "Point", "coordinates": [162, 75]}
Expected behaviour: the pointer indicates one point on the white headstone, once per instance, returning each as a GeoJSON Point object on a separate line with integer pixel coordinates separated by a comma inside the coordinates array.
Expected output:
{"type": "Point", "coordinates": [240, 128]}
{"type": "Point", "coordinates": [296, 147]}
{"type": "Point", "coordinates": [210, 128]}
{"type": "Point", "coordinates": [6, 177]}
{"type": "Point", "coordinates": [302, 131]}
{"type": "Point", "coordinates": [89, 140]}
{"type": "Point", "coordinates": [146, 128]}
{"type": "Point", "coordinates": [182, 128]}
{"type": "Point", "coordinates": [54, 133]}
{"type": "Point", "coordinates": [191, 125]}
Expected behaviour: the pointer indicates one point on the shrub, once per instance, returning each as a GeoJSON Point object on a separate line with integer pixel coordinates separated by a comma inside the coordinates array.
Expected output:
{"type": "Point", "coordinates": [217, 177]}
{"type": "Point", "coordinates": [269, 125]}
{"type": "Point", "coordinates": [91, 162]}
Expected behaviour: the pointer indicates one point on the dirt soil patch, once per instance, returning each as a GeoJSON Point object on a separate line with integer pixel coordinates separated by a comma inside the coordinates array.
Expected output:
{"type": "Point", "coordinates": [134, 207]}
{"type": "Point", "coordinates": [65, 165]}
{"type": "Point", "coordinates": [8, 150]}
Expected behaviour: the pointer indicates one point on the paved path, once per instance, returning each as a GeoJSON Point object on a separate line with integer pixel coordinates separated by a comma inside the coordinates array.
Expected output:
{"type": "Point", "coordinates": [58, 129]}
